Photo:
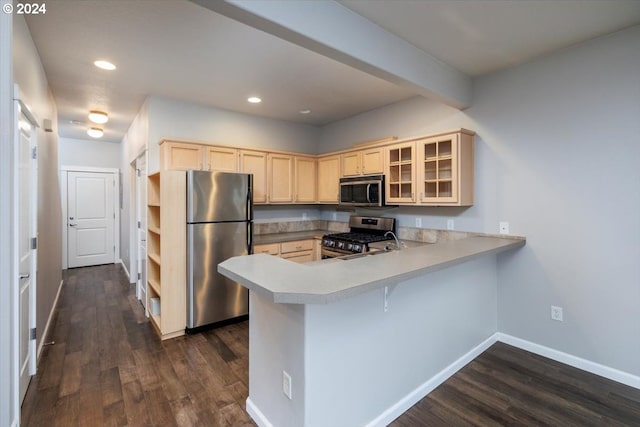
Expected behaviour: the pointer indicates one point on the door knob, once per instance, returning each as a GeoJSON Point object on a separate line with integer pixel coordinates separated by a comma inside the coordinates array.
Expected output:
{"type": "Point", "coordinates": [72, 225]}
{"type": "Point", "coordinates": [24, 276]}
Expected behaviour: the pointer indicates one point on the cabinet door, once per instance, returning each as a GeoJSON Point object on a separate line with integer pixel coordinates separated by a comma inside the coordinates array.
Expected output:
{"type": "Point", "coordinates": [400, 176]}
{"type": "Point", "coordinates": [255, 162]}
{"type": "Point", "coordinates": [270, 249]}
{"type": "Point", "coordinates": [328, 179]}
{"type": "Point", "coordinates": [372, 161]}
{"type": "Point", "coordinates": [280, 178]}
{"type": "Point", "coordinates": [438, 169]}
{"type": "Point", "coordinates": [181, 156]}
{"type": "Point", "coordinates": [305, 180]}
{"type": "Point", "coordinates": [351, 163]}
{"type": "Point", "coordinates": [220, 159]}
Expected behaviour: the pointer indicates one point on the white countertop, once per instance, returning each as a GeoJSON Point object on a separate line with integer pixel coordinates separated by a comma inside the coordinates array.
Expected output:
{"type": "Point", "coordinates": [323, 282]}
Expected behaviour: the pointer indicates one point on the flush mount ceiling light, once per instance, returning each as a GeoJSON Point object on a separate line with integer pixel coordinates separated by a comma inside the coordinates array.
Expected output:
{"type": "Point", "coordinates": [99, 117]}
{"type": "Point", "coordinates": [305, 111]}
{"type": "Point", "coordinates": [105, 65]}
{"type": "Point", "coordinates": [76, 122]}
{"type": "Point", "coordinates": [254, 100]}
{"type": "Point", "coordinates": [95, 132]}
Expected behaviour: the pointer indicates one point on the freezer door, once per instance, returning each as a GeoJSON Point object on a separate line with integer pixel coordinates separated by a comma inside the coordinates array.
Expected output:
{"type": "Point", "coordinates": [212, 297]}
{"type": "Point", "coordinates": [218, 196]}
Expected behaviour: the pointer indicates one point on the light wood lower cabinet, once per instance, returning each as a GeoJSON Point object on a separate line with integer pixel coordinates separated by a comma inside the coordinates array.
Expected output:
{"type": "Point", "coordinates": [296, 251]}
{"type": "Point", "coordinates": [166, 252]}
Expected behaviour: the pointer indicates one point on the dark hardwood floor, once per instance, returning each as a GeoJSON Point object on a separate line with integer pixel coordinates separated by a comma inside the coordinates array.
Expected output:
{"type": "Point", "coordinates": [108, 367]}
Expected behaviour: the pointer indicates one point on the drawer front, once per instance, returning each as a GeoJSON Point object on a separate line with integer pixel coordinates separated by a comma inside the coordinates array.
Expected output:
{"type": "Point", "coordinates": [302, 256]}
{"type": "Point", "coordinates": [272, 249]}
{"type": "Point", "coordinates": [299, 245]}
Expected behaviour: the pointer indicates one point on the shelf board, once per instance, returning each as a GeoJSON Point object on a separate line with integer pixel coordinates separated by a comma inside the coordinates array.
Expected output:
{"type": "Point", "coordinates": [154, 230]}
{"type": "Point", "coordinates": [153, 204]}
{"type": "Point", "coordinates": [155, 320]}
{"type": "Point", "coordinates": [155, 258]}
{"type": "Point", "coordinates": [155, 285]}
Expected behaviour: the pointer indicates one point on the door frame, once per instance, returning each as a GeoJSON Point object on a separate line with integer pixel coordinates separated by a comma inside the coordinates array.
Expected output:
{"type": "Point", "coordinates": [21, 109]}
{"type": "Point", "coordinates": [138, 212]}
{"type": "Point", "coordinates": [64, 170]}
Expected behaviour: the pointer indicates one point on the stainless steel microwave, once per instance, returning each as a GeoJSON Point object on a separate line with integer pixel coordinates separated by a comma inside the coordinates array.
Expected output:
{"type": "Point", "coordinates": [362, 191]}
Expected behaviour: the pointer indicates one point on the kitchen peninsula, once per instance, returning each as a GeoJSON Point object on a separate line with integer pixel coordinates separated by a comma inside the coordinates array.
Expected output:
{"type": "Point", "coordinates": [362, 340]}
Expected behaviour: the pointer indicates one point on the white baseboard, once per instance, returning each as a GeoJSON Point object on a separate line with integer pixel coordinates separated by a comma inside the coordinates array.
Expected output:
{"type": "Point", "coordinates": [412, 398]}
{"type": "Point", "coordinates": [257, 415]}
{"type": "Point", "coordinates": [125, 270]}
{"type": "Point", "coordinates": [571, 360]}
{"type": "Point", "coordinates": [46, 327]}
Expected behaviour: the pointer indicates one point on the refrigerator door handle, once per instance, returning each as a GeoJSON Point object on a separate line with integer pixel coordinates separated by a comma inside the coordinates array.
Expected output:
{"type": "Point", "coordinates": [249, 238]}
{"type": "Point", "coordinates": [249, 202]}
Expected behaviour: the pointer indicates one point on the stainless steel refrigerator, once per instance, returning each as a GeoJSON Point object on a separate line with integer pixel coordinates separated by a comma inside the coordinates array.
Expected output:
{"type": "Point", "coordinates": [219, 226]}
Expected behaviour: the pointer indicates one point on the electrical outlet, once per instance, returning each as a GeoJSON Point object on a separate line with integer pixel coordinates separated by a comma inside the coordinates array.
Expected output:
{"type": "Point", "coordinates": [286, 384]}
{"type": "Point", "coordinates": [556, 313]}
{"type": "Point", "coordinates": [335, 216]}
{"type": "Point", "coordinates": [418, 222]}
{"type": "Point", "coordinates": [304, 215]}
{"type": "Point", "coordinates": [504, 227]}
{"type": "Point", "coordinates": [451, 224]}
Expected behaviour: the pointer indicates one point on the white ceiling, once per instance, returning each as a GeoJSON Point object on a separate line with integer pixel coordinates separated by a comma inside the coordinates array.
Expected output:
{"type": "Point", "coordinates": [176, 49]}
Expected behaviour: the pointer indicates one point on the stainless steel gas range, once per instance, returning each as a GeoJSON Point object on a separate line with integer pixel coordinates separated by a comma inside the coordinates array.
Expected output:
{"type": "Point", "coordinates": [363, 230]}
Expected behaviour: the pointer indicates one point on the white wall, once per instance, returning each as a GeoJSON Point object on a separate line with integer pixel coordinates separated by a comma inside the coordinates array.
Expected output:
{"type": "Point", "coordinates": [178, 119]}
{"type": "Point", "coordinates": [29, 74]}
{"type": "Point", "coordinates": [350, 361]}
{"type": "Point", "coordinates": [133, 144]}
{"type": "Point", "coordinates": [566, 135]}
{"type": "Point", "coordinates": [88, 153]}
{"type": "Point", "coordinates": [9, 407]}
{"type": "Point", "coordinates": [557, 154]}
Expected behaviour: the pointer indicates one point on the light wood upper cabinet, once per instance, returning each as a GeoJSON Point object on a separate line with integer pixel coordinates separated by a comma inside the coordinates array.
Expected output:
{"type": "Point", "coordinates": [445, 169]}
{"type": "Point", "coordinates": [350, 163]}
{"type": "Point", "coordinates": [221, 159]}
{"type": "Point", "coordinates": [372, 161]}
{"type": "Point", "coordinates": [255, 162]}
{"type": "Point", "coordinates": [180, 156]}
{"type": "Point", "coordinates": [328, 179]}
{"type": "Point", "coordinates": [401, 173]}
{"type": "Point", "coordinates": [280, 180]}
{"type": "Point", "coordinates": [305, 179]}
{"type": "Point", "coordinates": [363, 162]}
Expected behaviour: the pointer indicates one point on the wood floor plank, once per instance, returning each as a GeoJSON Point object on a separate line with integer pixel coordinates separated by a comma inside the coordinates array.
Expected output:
{"type": "Point", "coordinates": [109, 368]}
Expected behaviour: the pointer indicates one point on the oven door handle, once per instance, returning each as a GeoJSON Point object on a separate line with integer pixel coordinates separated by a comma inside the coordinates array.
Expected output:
{"type": "Point", "coordinates": [368, 193]}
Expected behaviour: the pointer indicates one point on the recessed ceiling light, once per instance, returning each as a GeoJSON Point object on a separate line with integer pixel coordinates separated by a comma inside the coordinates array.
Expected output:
{"type": "Point", "coordinates": [254, 100]}
{"type": "Point", "coordinates": [305, 111]}
{"type": "Point", "coordinates": [105, 65]}
{"type": "Point", "coordinates": [99, 117]}
{"type": "Point", "coordinates": [95, 132]}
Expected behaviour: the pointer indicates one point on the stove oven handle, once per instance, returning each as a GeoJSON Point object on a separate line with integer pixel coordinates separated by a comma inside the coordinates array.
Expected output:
{"type": "Point", "coordinates": [368, 192]}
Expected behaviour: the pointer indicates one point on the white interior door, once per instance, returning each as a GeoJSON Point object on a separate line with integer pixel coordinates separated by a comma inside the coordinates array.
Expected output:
{"type": "Point", "coordinates": [27, 232]}
{"type": "Point", "coordinates": [141, 220]}
{"type": "Point", "coordinates": [91, 218]}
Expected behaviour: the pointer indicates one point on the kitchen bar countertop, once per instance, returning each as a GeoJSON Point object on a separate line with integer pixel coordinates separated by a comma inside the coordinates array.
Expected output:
{"type": "Point", "coordinates": [289, 236]}
{"type": "Point", "coordinates": [283, 281]}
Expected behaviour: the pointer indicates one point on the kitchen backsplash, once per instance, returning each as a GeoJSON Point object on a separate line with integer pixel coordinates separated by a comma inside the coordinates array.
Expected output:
{"type": "Point", "coordinates": [293, 226]}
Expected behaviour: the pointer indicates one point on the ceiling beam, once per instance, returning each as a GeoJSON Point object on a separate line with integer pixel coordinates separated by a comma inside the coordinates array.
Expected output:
{"type": "Point", "coordinates": [332, 30]}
